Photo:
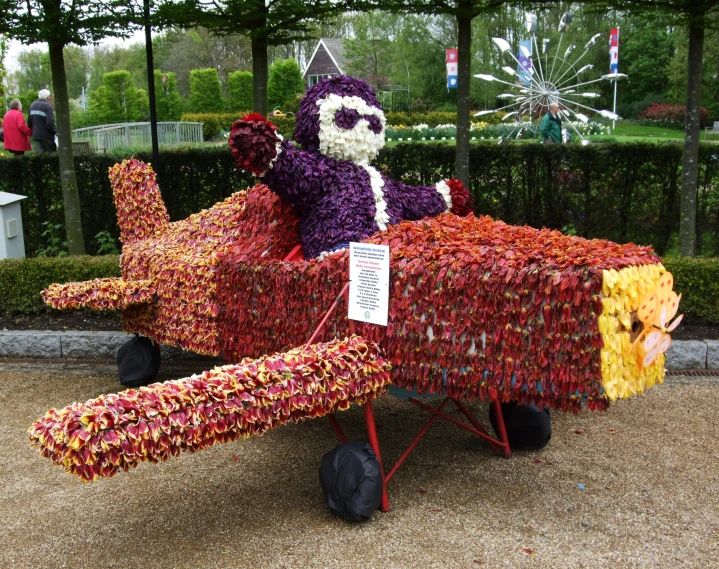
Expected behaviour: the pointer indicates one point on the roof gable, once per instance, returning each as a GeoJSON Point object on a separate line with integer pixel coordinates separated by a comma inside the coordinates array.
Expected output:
{"type": "Point", "coordinates": [334, 49]}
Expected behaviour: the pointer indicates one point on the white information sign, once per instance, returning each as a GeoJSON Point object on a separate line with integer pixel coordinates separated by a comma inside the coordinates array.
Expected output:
{"type": "Point", "coordinates": [369, 283]}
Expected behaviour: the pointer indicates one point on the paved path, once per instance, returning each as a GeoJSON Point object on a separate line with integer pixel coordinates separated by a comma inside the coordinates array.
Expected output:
{"type": "Point", "coordinates": [648, 467]}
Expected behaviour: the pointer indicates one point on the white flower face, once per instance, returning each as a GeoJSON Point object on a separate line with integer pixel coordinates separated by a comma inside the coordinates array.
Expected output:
{"type": "Point", "coordinates": [350, 129]}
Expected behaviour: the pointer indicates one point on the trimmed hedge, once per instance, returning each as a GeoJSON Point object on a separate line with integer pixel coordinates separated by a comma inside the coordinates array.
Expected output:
{"type": "Point", "coordinates": [622, 192]}
{"type": "Point", "coordinates": [21, 280]}
{"type": "Point", "coordinates": [698, 282]}
{"type": "Point", "coordinates": [214, 123]}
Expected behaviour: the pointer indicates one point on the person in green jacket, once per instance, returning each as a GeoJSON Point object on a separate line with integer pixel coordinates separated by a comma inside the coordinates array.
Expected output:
{"type": "Point", "coordinates": [552, 126]}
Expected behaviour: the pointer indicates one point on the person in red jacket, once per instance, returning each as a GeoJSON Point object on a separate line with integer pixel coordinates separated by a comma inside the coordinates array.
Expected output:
{"type": "Point", "coordinates": [15, 132]}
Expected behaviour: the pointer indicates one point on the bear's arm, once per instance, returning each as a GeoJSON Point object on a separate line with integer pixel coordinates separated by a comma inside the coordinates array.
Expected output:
{"type": "Point", "coordinates": [295, 175]}
{"type": "Point", "coordinates": [419, 202]}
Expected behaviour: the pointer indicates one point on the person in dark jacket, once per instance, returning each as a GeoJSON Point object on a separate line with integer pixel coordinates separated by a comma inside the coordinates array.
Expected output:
{"type": "Point", "coordinates": [41, 119]}
{"type": "Point", "coordinates": [552, 126]}
{"type": "Point", "coordinates": [16, 133]}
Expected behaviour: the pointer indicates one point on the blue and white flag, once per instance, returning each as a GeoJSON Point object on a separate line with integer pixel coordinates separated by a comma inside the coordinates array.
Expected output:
{"type": "Point", "coordinates": [524, 69]}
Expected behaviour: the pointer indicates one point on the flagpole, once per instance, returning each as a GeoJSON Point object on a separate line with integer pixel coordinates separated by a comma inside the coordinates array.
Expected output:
{"type": "Point", "coordinates": [614, 122]}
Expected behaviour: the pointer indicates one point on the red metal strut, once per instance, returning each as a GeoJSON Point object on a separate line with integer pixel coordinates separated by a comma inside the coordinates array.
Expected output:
{"type": "Point", "coordinates": [498, 445]}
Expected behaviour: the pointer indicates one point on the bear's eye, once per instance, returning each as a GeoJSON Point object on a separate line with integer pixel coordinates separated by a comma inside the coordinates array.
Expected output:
{"type": "Point", "coordinates": [374, 123]}
{"type": "Point", "coordinates": [346, 118]}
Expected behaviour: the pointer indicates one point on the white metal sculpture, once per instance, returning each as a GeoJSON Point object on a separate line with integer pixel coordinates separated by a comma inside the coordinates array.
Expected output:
{"type": "Point", "coordinates": [559, 80]}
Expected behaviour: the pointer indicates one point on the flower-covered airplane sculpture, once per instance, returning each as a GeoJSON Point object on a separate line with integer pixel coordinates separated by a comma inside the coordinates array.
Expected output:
{"type": "Point", "coordinates": [478, 308]}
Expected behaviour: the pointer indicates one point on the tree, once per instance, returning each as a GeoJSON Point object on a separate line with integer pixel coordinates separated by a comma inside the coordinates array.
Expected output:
{"type": "Point", "coordinates": [285, 82]}
{"type": "Point", "coordinates": [168, 100]}
{"type": "Point", "coordinates": [464, 11]}
{"type": "Point", "coordinates": [696, 15]}
{"type": "Point", "coordinates": [265, 22]}
{"type": "Point", "coordinates": [33, 70]}
{"type": "Point", "coordinates": [61, 23]}
{"type": "Point", "coordinates": [205, 91]}
{"type": "Point", "coordinates": [239, 84]}
{"type": "Point", "coordinates": [3, 71]}
{"type": "Point", "coordinates": [182, 51]}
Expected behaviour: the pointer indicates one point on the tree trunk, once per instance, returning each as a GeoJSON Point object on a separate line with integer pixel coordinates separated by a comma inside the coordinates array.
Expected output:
{"type": "Point", "coordinates": [464, 57]}
{"type": "Point", "coordinates": [259, 75]}
{"type": "Point", "coordinates": [690, 162]}
{"type": "Point", "coordinates": [70, 197]}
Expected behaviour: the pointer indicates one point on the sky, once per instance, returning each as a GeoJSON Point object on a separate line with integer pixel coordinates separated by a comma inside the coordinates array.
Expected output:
{"type": "Point", "coordinates": [15, 47]}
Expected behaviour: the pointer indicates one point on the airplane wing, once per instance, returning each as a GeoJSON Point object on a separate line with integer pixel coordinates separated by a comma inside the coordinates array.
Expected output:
{"type": "Point", "coordinates": [116, 432]}
{"type": "Point", "coordinates": [100, 294]}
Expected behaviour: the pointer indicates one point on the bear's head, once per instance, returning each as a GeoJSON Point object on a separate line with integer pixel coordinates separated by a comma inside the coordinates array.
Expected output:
{"type": "Point", "coordinates": [341, 118]}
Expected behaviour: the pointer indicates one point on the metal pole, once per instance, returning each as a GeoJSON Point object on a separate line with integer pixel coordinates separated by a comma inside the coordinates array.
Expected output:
{"type": "Point", "coordinates": [151, 89]}
{"type": "Point", "coordinates": [614, 122]}
{"type": "Point", "coordinates": [614, 110]}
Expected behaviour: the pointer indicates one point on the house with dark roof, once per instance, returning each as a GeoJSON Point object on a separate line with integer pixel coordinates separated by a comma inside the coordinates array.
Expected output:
{"type": "Point", "coordinates": [326, 61]}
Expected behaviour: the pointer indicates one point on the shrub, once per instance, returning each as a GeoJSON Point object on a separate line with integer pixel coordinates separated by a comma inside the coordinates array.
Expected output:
{"type": "Point", "coordinates": [672, 113]}
{"type": "Point", "coordinates": [21, 280]}
{"type": "Point", "coordinates": [698, 282]}
{"type": "Point", "coordinates": [205, 92]}
{"type": "Point", "coordinates": [215, 123]}
{"type": "Point", "coordinates": [285, 82]}
{"type": "Point", "coordinates": [117, 100]}
{"type": "Point", "coordinates": [240, 87]}
{"type": "Point", "coordinates": [168, 100]}
{"type": "Point", "coordinates": [622, 192]}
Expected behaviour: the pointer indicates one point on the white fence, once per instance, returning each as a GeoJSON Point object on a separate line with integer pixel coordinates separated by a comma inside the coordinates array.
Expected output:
{"type": "Point", "coordinates": [138, 134]}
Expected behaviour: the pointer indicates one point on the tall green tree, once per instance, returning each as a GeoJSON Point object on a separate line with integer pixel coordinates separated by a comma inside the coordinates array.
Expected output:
{"type": "Point", "coordinates": [285, 82]}
{"type": "Point", "coordinates": [61, 23]}
{"type": "Point", "coordinates": [697, 16]}
{"type": "Point", "coordinates": [464, 11]}
{"type": "Point", "coordinates": [3, 71]}
{"type": "Point", "coordinates": [33, 70]}
{"type": "Point", "coordinates": [265, 22]}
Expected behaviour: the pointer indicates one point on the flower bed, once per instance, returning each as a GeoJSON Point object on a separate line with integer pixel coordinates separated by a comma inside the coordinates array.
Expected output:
{"type": "Point", "coordinates": [482, 130]}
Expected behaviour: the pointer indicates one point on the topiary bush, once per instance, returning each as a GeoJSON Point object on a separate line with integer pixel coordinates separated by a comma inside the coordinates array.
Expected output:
{"type": "Point", "coordinates": [21, 280]}
{"type": "Point", "coordinates": [205, 92]}
{"type": "Point", "coordinates": [240, 87]}
{"type": "Point", "coordinates": [698, 282]}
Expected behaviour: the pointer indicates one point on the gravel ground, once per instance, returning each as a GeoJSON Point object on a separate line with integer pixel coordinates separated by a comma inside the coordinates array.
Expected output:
{"type": "Point", "coordinates": [649, 468]}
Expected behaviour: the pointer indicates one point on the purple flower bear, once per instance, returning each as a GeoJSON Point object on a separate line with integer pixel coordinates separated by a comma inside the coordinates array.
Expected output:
{"type": "Point", "coordinates": [337, 195]}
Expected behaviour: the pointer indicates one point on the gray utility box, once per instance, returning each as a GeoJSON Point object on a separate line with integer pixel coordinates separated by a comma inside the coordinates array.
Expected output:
{"type": "Point", "coordinates": [12, 242]}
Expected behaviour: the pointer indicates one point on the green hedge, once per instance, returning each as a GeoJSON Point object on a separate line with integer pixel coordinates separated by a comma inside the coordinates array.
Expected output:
{"type": "Point", "coordinates": [698, 282]}
{"type": "Point", "coordinates": [622, 192]}
{"type": "Point", "coordinates": [214, 123]}
{"type": "Point", "coordinates": [21, 280]}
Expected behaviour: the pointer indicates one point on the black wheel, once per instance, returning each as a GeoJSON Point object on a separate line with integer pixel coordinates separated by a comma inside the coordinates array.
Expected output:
{"type": "Point", "coordinates": [138, 361]}
{"type": "Point", "coordinates": [351, 480]}
{"type": "Point", "coordinates": [528, 426]}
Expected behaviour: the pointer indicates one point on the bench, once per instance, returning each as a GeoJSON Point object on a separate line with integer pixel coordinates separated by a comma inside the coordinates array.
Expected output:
{"type": "Point", "coordinates": [83, 147]}
{"type": "Point", "coordinates": [711, 130]}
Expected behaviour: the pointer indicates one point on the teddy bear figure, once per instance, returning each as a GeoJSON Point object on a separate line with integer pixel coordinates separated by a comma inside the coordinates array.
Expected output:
{"type": "Point", "coordinates": [337, 195]}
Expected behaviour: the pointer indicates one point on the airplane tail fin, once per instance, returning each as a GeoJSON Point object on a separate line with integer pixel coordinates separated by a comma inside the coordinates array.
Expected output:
{"type": "Point", "coordinates": [102, 436]}
{"type": "Point", "coordinates": [141, 213]}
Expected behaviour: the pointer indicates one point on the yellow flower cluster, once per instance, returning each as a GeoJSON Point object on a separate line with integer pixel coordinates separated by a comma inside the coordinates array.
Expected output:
{"type": "Point", "coordinates": [622, 373]}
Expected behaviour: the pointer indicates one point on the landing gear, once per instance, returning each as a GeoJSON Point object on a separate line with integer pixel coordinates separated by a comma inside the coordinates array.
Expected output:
{"type": "Point", "coordinates": [138, 361]}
